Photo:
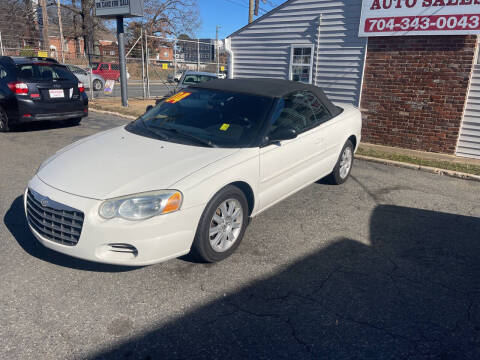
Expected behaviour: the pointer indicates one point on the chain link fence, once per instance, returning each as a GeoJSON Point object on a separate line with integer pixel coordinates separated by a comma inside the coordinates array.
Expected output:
{"type": "Point", "coordinates": [154, 64]}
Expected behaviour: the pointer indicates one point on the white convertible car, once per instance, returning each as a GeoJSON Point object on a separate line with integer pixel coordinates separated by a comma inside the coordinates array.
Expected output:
{"type": "Point", "coordinates": [188, 174]}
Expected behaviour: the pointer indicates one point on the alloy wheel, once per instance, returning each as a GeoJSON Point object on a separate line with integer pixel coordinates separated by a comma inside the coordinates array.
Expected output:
{"type": "Point", "coordinates": [346, 162]}
{"type": "Point", "coordinates": [226, 225]}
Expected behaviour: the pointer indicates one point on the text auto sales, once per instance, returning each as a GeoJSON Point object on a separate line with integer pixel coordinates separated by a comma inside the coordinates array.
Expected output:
{"type": "Point", "coordinates": [421, 16]}
{"type": "Point", "coordinates": [399, 4]}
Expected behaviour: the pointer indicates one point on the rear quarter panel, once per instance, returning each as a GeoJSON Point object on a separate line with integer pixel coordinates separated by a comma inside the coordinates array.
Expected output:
{"type": "Point", "coordinates": [350, 123]}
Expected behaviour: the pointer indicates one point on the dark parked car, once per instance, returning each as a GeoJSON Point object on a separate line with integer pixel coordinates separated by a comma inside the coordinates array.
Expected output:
{"type": "Point", "coordinates": [34, 89]}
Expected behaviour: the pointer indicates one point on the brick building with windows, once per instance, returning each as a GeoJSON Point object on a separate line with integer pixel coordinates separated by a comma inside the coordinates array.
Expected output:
{"type": "Point", "coordinates": [415, 90]}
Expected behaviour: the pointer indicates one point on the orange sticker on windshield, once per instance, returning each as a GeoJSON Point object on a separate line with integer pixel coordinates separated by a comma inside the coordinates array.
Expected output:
{"type": "Point", "coordinates": [177, 97]}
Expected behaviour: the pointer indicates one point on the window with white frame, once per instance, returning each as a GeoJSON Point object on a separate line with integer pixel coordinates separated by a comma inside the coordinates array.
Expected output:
{"type": "Point", "coordinates": [301, 63]}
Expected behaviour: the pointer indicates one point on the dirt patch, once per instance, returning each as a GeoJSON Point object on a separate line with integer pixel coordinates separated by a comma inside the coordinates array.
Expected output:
{"type": "Point", "coordinates": [136, 107]}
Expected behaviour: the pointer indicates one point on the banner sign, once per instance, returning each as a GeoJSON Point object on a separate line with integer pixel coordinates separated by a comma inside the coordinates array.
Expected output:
{"type": "Point", "coordinates": [419, 17]}
{"type": "Point", "coordinates": [112, 8]}
{"type": "Point", "coordinates": [108, 89]}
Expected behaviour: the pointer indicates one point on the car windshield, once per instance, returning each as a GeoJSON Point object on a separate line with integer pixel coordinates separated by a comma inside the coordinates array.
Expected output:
{"type": "Point", "coordinates": [44, 72]}
{"type": "Point", "coordinates": [196, 79]}
{"type": "Point", "coordinates": [206, 117]}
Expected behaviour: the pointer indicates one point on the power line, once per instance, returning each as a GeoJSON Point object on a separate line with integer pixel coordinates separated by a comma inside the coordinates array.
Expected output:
{"type": "Point", "coordinates": [244, 5]}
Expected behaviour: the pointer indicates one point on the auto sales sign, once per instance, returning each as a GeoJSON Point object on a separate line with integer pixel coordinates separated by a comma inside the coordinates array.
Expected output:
{"type": "Point", "coordinates": [419, 17]}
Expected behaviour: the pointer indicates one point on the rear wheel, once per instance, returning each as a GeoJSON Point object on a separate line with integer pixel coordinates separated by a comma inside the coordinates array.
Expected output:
{"type": "Point", "coordinates": [4, 126]}
{"type": "Point", "coordinates": [97, 85]}
{"type": "Point", "coordinates": [342, 169]}
{"type": "Point", "coordinates": [222, 225]}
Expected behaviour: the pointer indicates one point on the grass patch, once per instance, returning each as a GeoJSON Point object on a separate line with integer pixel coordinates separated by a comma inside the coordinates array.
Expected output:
{"type": "Point", "coordinates": [136, 107]}
{"type": "Point", "coordinates": [446, 165]}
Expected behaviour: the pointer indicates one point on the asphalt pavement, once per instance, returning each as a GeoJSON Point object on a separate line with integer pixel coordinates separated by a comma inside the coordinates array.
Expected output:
{"type": "Point", "coordinates": [385, 266]}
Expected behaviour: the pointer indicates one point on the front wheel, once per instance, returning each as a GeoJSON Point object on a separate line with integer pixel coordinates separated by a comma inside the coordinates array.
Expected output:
{"type": "Point", "coordinates": [343, 167]}
{"type": "Point", "coordinates": [222, 225]}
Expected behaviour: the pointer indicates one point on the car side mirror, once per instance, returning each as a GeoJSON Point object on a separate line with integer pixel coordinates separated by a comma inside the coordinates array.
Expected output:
{"type": "Point", "coordinates": [149, 107]}
{"type": "Point", "coordinates": [283, 133]}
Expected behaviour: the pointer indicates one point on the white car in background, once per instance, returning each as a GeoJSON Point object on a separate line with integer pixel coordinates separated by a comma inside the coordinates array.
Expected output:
{"type": "Point", "coordinates": [188, 174]}
{"type": "Point", "coordinates": [97, 82]}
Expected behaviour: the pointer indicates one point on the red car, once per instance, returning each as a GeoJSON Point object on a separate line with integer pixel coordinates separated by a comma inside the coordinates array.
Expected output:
{"type": "Point", "coordinates": [109, 71]}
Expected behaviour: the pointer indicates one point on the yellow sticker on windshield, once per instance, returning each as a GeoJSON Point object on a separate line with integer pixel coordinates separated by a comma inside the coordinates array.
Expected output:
{"type": "Point", "coordinates": [177, 97]}
{"type": "Point", "coordinates": [224, 127]}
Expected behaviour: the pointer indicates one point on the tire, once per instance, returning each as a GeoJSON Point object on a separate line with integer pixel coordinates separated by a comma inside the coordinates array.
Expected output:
{"type": "Point", "coordinates": [97, 85]}
{"type": "Point", "coordinates": [4, 126]}
{"type": "Point", "coordinates": [210, 244]}
{"type": "Point", "coordinates": [74, 121]}
{"type": "Point", "coordinates": [342, 169]}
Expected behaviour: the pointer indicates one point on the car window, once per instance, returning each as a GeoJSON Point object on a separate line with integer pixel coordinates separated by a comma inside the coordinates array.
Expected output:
{"type": "Point", "coordinates": [196, 79]}
{"type": "Point", "coordinates": [44, 72]}
{"type": "Point", "coordinates": [319, 109]}
{"type": "Point", "coordinates": [77, 70]}
{"type": "Point", "coordinates": [115, 67]}
{"type": "Point", "coordinates": [104, 67]}
{"type": "Point", "coordinates": [225, 119]}
{"type": "Point", "coordinates": [293, 111]}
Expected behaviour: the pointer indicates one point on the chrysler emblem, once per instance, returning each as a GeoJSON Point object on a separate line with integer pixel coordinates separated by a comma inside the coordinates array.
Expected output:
{"type": "Point", "coordinates": [44, 202]}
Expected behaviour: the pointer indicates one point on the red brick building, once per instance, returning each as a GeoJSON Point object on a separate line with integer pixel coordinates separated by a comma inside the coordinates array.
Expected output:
{"type": "Point", "coordinates": [410, 66]}
{"type": "Point", "coordinates": [164, 53]}
{"type": "Point", "coordinates": [70, 49]}
{"type": "Point", "coordinates": [415, 90]}
{"type": "Point", "coordinates": [108, 50]}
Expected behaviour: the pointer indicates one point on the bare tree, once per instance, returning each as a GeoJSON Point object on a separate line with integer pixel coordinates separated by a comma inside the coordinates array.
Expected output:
{"type": "Point", "coordinates": [46, 40]}
{"type": "Point", "coordinates": [18, 24]}
{"type": "Point", "coordinates": [171, 17]}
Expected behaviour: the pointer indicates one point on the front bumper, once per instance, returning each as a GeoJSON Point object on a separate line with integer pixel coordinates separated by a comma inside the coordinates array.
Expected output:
{"type": "Point", "coordinates": [156, 239]}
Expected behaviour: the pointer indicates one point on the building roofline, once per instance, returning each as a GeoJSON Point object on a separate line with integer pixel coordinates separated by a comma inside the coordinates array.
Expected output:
{"type": "Point", "coordinates": [260, 18]}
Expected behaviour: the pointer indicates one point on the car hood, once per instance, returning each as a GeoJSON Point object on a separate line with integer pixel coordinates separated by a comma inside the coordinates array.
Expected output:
{"type": "Point", "coordinates": [116, 163]}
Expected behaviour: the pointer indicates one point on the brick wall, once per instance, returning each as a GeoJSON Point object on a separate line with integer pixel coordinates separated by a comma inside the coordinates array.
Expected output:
{"type": "Point", "coordinates": [414, 90]}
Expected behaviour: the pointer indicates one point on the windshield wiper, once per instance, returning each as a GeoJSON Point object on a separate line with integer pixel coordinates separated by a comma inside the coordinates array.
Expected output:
{"type": "Point", "coordinates": [191, 137]}
{"type": "Point", "coordinates": [160, 135]}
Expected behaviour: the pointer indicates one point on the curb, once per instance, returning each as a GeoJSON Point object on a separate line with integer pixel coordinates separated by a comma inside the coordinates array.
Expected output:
{"type": "Point", "coordinates": [432, 170]}
{"type": "Point", "coordinates": [130, 117]}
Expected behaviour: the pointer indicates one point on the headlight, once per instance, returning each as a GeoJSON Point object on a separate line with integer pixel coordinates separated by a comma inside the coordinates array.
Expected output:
{"type": "Point", "coordinates": [142, 206]}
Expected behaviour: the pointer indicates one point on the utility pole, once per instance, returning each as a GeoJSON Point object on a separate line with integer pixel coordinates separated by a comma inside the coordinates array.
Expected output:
{"type": "Point", "coordinates": [250, 11]}
{"type": "Point", "coordinates": [46, 42]}
{"type": "Point", "coordinates": [75, 30]}
{"type": "Point", "coordinates": [143, 64]}
{"type": "Point", "coordinates": [122, 62]}
{"type": "Point", "coordinates": [174, 59]}
{"type": "Point", "coordinates": [60, 29]}
{"type": "Point", "coordinates": [198, 54]}
{"type": "Point", "coordinates": [217, 48]}
{"type": "Point", "coordinates": [146, 65]}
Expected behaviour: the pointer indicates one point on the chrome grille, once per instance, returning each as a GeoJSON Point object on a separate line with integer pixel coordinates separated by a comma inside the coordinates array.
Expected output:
{"type": "Point", "coordinates": [52, 220]}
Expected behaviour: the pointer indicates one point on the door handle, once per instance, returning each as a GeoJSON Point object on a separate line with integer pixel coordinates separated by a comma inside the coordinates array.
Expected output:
{"type": "Point", "coordinates": [318, 141]}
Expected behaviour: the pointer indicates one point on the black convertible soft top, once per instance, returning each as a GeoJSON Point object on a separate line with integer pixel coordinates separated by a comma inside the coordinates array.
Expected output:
{"type": "Point", "coordinates": [274, 88]}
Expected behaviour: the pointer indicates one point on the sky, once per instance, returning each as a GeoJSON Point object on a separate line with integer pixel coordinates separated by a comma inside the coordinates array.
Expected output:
{"type": "Point", "coordinates": [231, 15]}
